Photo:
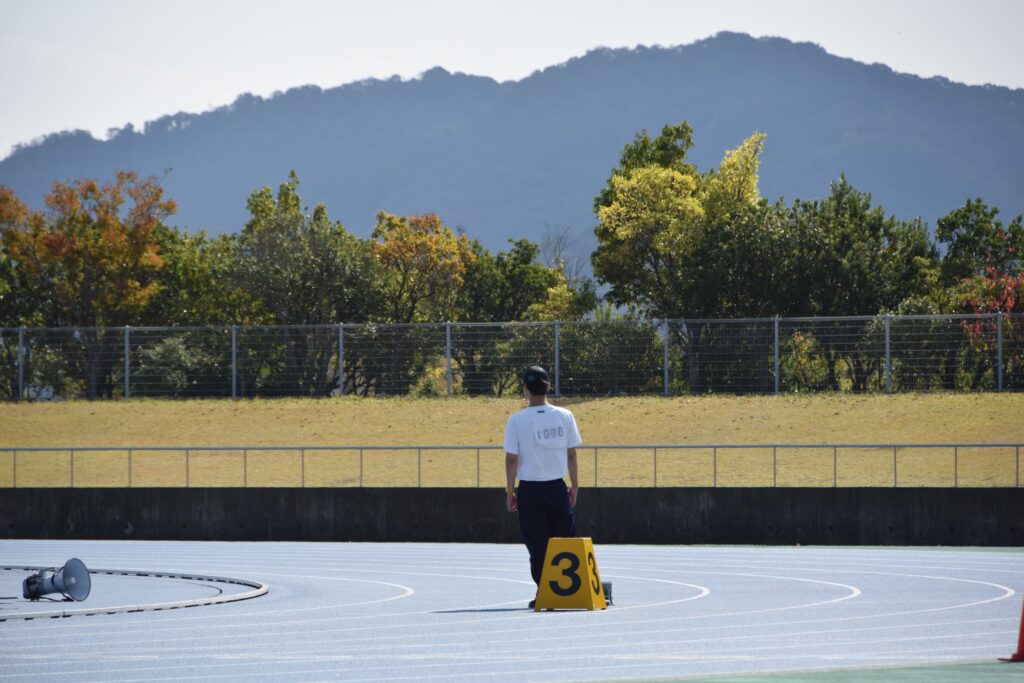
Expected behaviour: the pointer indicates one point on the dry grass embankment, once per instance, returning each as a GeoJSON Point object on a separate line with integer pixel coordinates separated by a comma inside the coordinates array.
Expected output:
{"type": "Point", "coordinates": [480, 421]}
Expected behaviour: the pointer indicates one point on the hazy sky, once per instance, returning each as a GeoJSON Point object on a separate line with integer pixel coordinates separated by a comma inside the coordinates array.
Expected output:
{"type": "Point", "coordinates": [100, 64]}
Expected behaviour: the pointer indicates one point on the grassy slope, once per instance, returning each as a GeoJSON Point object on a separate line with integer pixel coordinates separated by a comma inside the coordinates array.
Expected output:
{"type": "Point", "coordinates": [464, 421]}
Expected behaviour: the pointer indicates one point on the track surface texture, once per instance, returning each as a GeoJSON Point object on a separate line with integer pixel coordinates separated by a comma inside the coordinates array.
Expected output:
{"type": "Point", "coordinates": [397, 612]}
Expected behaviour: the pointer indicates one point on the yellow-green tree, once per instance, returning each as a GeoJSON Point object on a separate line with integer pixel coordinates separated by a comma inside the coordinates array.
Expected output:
{"type": "Point", "coordinates": [652, 222]}
{"type": "Point", "coordinates": [653, 228]}
{"type": "Point", "coordinates": [733, 186]}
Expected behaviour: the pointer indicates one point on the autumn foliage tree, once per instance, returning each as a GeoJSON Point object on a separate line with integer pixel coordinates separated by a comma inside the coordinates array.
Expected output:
{"type": "Point", "coordinates": [425, 264]}
{"type": "Point", "coordinates": [94, 255]}
{"type": "Point", "coordinates": [984, 271]}
{"type": "Point", "coordinates": [94, 248]}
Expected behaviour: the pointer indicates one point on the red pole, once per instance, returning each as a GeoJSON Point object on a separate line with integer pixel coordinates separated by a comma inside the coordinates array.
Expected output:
{"type": "Point", "coordinates": [1017, 656]}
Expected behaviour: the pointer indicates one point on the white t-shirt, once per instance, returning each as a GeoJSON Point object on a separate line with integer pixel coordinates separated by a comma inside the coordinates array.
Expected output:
{"type": "Point", "coordinates": [541, 437]}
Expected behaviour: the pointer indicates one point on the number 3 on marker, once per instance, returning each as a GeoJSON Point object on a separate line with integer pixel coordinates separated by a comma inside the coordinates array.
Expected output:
{"type": "Point", "coordinates": [595, 579]}
{"type": "Point", "coordinates": [572, 571]}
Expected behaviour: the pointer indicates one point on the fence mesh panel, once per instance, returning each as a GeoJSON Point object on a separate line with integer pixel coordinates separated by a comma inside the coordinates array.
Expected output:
{"type": "Point", "coordinates": [390, 360]}
{"type": "Point", "coordinates": [722, 356]}
{"type": "Point", "coordinates": [1013, 353]}
{"type": "Point", "coordinates": [832, 354]}
{"type": "Point", "coordinates": [608, 359]}
{"type": "Point", "coordinates": [287, 361]}
{"type": "Point", "coordinates": [180, 362]}
{"type": "Point", "coordinates": [11, 381]}
{"type": "Point", "coordinates": [756, 356]}
{"type": "Point", "coordinates": [487, 359]}
{"type": "Point", "coordinates": [71, 362]}
{"type": "Point", "coordinates": [952, 353]}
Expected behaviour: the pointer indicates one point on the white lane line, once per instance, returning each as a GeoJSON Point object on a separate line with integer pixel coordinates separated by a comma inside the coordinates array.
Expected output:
{"type": "Point", "coordinates": [701, 592]}
{"type": "Point", "coordinates": [134, 629]}
{"type": "Point", "coordinates": [947, 607]}
{"type": "Point", "coordinates": [260, 614]}
{"type": "Point", "coordinates": [854, 592]}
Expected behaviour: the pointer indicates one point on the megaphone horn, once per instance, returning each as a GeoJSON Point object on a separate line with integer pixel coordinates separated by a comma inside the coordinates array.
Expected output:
{"type": "Point", "coordinates": [72, 581]}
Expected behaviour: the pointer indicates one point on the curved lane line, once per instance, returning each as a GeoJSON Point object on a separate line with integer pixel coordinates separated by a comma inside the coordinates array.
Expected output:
{"type": "Point", "coordinates": [258, 589]}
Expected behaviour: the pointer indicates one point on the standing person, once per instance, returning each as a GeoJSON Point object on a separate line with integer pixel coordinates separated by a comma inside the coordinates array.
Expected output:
{"type": "Point", "coordinates": [540, 449]}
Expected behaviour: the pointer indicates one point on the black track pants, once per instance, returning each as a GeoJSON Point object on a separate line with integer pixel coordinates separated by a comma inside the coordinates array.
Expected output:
{"type": "Point", "coordinates": [544, 512]}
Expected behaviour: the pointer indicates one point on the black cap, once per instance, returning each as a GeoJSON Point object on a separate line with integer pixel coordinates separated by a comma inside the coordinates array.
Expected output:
{"type": "Point", "coordinates": [536, 379]}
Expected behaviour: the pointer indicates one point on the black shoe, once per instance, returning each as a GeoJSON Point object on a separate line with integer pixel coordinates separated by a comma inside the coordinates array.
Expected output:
{"type": "Point", "coordinates": [532, 603]}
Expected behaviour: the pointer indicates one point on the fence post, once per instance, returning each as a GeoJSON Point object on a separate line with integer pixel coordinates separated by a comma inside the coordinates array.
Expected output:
{"type": "Point", "coordinates": [888, 358]}
{"type": "Point", "coordinates": [234, 362]}
{"type": "Point", "coordinates": [777, 354]}
{"type": "Point", "coordinates": [664, 360]}
{"type": "Point", "coordinates": [341, 360]}
{"type": "Point", "coordinates": [21, 363]}
{"type": "Point", "coordinates": [448, 355]}
{"type": "Point", "coordinates": [558, 343]}
{"type": "Point", "coordinates": [999, 352]}
{"type": "Point", "coordinates": [655, 468]}
{"type": "Point", "coordinates": [127, 361]}
{"type": "Point", "coordinates": [895, 480]}
{"type": "Point", "coordinates": [956, 467]}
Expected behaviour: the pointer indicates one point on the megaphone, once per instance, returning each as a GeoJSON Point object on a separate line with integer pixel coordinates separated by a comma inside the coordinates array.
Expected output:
{"type": "Point", "coordinates": [72, 581]}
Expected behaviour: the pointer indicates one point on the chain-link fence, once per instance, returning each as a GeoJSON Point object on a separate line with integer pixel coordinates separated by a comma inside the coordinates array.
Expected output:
{"type": "Point", "coordinates": [669, 357]}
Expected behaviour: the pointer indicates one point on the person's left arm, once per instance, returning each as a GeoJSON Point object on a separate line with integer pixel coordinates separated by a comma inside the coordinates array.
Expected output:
{"type": "Point", "coordinates": [511, 465]}
{"type": "Point", "coordinates": [574, 441]}
{"type": "Point", "coordinates": [574, 479]}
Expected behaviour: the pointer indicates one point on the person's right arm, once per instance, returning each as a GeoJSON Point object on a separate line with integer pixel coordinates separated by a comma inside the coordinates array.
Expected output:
{"type": "Point", "coordinates": [511, 469]}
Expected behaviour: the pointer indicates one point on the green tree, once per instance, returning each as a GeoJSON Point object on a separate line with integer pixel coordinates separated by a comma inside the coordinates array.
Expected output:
{"type": "Point", "coordinates": [198, 298]}
{"type": "Point", "coordinates": [975, 239]}
{"type": "Point", "coordinates": [501, 287]}
{"type": "Point", "coordinates": [304, 269]}
{"type": "Point", "coordinates": [679, 245]}
{"type": "Point", "coordinates": [496, 289]}
{"type": "Point", "coordinates": [197, 283]}
{"type": "Point", "coordinates": [859, 262]}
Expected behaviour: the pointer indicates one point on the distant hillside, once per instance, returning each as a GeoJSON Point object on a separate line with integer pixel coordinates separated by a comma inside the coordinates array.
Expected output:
{"type": "Point", "coordinates": [505, 160]}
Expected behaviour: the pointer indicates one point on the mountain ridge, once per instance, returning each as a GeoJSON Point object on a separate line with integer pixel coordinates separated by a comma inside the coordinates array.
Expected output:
{"type": "Point", "coordinates": [511, 159]}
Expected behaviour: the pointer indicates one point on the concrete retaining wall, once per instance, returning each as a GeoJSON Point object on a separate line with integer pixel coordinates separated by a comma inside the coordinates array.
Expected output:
{"type": "Point", "coordinates": [863, 516]}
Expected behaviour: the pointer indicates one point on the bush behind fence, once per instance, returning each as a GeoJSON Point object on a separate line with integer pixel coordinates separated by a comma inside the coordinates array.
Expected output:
{"type": "Point", "coordinates": [624, 357]}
